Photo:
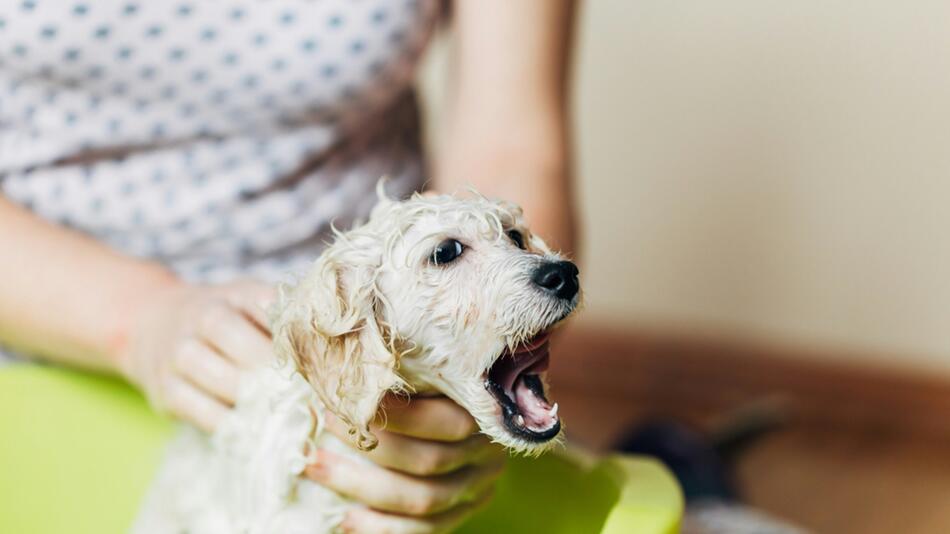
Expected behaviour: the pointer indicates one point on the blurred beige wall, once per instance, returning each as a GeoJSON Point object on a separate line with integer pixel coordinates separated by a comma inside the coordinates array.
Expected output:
{"type": "Point", "coordinates": [771, 169]}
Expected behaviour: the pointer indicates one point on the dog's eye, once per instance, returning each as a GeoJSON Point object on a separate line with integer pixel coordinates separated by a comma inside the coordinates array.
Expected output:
{"type": "Point", "coordinates": [447, 252]}
{"type": "Point", "coordinates": [517, 237]}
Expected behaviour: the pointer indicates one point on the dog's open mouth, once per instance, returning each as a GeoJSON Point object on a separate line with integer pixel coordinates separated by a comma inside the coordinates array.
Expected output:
{"type": "Point", "coordinates": [515, 382]}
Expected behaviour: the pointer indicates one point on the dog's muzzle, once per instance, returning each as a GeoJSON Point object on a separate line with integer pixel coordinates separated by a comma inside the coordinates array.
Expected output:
{"type": "Point", "coordinates": [514, 380]}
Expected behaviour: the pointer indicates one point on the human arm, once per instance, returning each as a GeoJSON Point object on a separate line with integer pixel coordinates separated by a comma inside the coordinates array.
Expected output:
{"type": "Point", "coordinates": [64, 296]}
{"type": "Point", "coordinates": [69, 299]}
{"type": "Point", "coordinates": [507, 131]}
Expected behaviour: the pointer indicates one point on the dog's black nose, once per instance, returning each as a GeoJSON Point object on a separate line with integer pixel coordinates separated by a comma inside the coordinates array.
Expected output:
{"type": "Point", "coordinates": [558, 278]}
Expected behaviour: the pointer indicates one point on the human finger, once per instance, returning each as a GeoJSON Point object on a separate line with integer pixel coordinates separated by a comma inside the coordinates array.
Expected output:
{"type": "Point", "coordinates": [391, 491]}
{"type": "Point", "coordinates": [423, 457]}
{"type": "Point", "coordinates": [433, 418]}
{"type": "Point", "coordinates": [368, 521]}
{"type": "Point", "coordinates": [253, 299]}
{"type": "Point", "coordinates": [204, 367]}
{"type": "Point", "coordinates": [234, 336]}
{"type": "Point", "coordinates": [185, 401]}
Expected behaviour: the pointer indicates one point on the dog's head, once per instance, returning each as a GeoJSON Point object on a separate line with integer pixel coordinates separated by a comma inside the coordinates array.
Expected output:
{"type": "Point", "coordinates": [433, 294]}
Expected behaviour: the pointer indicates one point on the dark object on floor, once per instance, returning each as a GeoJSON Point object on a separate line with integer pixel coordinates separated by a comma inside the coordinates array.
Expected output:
{"type": "Point", "coordinates": [694, 460]}
{"type": "Point", "coordinates": [703, 462]}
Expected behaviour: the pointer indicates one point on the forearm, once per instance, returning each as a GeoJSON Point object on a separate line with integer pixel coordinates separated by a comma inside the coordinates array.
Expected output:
{"type": "Point", "coordinates": [536, 177]}
{"type": "Point", "coordinates": [64, 296]}
{"type": "Point", "coordinates": [507, 127]}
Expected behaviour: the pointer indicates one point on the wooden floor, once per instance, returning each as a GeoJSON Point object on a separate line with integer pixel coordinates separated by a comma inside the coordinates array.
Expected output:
{"type": "Point", "coordinates": [835, 468]}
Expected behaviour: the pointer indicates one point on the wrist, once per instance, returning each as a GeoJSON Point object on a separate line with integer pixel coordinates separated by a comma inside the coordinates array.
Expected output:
{"type": "Point", "coordinates": [139, 294]}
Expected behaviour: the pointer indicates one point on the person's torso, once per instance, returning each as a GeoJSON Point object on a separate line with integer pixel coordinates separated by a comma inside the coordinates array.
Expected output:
{"type": "Point", "coordinates": [219, 137]}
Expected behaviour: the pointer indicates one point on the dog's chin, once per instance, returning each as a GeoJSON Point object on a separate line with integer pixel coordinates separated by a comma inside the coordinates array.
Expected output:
{"type": "Point", "coordinates": [515, 382]}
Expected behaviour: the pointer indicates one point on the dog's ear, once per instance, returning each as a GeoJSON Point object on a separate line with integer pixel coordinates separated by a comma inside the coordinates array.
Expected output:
{"type": "Point", "coordinates": [328, 326]}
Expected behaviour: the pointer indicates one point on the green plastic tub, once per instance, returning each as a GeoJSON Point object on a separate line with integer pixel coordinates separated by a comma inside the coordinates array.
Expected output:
{"type": "Point", "coordinates": [77, 452]}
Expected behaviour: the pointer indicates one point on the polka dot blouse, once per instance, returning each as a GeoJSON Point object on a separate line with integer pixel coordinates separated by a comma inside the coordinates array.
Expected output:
{"type": "Point", "coordinates": [221, 138]}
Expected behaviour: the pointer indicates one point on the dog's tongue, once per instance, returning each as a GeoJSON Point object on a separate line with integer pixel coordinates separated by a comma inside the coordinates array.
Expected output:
{"type": "Point", "coordinates": [539, 416]}
{"type": "Point", "coordinates": [518, 373]}
{"type": "Point", "coordinates": [531, 357]}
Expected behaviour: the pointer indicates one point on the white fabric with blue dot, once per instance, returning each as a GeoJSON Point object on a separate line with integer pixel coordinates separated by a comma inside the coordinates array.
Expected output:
{"type": "Point", "coordinates": [221, 138]}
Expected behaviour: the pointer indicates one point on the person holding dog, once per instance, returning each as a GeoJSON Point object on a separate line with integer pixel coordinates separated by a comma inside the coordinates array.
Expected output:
{"type": "Point", "coordinates": [162, 165]}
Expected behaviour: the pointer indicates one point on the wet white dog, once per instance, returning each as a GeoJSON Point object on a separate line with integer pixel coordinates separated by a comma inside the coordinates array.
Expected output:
{"type": "Point", "coordinates": [434, 294]}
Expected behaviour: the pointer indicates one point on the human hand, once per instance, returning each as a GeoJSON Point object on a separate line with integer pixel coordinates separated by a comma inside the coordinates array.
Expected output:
{"type": "Point", "coordinates": [187, 346]}
{"type": "Point", "coordinates": [430, 470]}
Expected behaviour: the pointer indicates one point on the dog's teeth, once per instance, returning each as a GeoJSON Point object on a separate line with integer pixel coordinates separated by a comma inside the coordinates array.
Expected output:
{"type": "Point", "coordinates": [519, 420]}
{"type": "Point", "coordinates": [553, 409]}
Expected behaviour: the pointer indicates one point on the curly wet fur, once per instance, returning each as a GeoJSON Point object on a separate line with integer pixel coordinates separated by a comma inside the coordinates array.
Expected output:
{"type": "Point", "coordinates": [372, 315]}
